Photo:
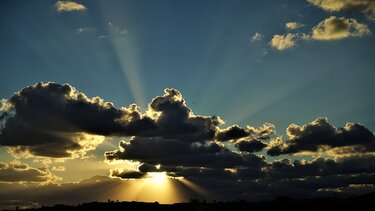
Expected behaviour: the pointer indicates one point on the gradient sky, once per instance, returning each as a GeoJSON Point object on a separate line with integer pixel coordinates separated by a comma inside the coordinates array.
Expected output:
{"type": "Point", "coordinates": [223, 56]}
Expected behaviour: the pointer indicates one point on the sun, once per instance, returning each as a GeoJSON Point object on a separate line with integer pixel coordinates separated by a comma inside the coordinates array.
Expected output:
{"type": "Point", "coordinates": [158, 178]}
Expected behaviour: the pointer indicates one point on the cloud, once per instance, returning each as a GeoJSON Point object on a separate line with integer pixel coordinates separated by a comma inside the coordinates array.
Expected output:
{"type": "Point", "coordinates": [283, 42]}
{"type": "Point", "coordinates": [293, 25]}
{"type": "Point", "coordinates": [257, 37]}
{"type": "Point", "coordinates": [232, 132]}
{"type": "Point", "coordinates": [174, 120]}
{"type": "Point", "coordinates": [172, 153]}
{"type": "Point", "coordinates": [5, 105]}
{"type": "Point", "coordinates": [58, 168]}
{"type": "Point", "coordinates": [262, 132]}
{"type": "Point", "coordinates": [365, 6]}
{"type": "Point", "coordinates": [235, 132]}
{"type": "Point", "coordinates": [84, 29]}
{"type": "Point", "coordinates": [320, 135]}
{"type": "Point", "coordinates": [16, 171]}
{"type": "Point", "coordinates": [97, 188]}
{"type": "Point", "coordinates": [55, 120]}
{"type": "Point", "coordinates": [121, 173]}
{"type": "Point", "coordinates": [335, 28]}
{"type": "Point", "coordinates": [69, 6]}
{"type": "Point", "coordinates": [252, 145]}
{"type": "Point", "coordinates": [332, 28]}
{"type": "Point", "coordinates": [320, 166]}
{"type": "Point", "coordinates": [258, 181]}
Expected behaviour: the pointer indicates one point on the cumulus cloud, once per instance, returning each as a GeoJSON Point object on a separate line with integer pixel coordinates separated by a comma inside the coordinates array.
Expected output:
{"type": "Point", "coordinates": [16, 171]}
{"type": "Point", "coordinates": [172, 152]}
{"type": "Point", "coordinates": [54, 120]}
{"type": "Point", "coordinates": [252, 145]}
{"type": "Point", "coordinates": [173, 119]}
{"type": "Point", "coordinates": [283, 42]}
{"type": "Point", "coordinates": [365, 6]}
{"type": "Point", "coordinates": [69, 6]}
{"type": "Point", "coordinates": [334, 28]}
{"type": "Point", "coordinates": [124, 174]}
{"type": "Point", "coordinates": [320, 135]}
{"type": "Point", "coordinates": [236, 132]}
{"type": "Point", "coordinates": [358, 164]}
{"type": "Point", "coordinates": [256, 37]}
{"type": "Point", "coordinates": [232, 132]}
{"type": "Point", "coordinates": [258, 181]}
{"type": "Point", "coordinates": [293, 25]}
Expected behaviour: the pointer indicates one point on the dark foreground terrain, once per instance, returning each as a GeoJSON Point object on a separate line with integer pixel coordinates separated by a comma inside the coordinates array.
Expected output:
{"type": "Point", "coordinates": [364, 202]}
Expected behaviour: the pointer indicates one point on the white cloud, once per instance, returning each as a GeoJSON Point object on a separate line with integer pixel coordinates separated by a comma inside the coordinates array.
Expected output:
{"type": "Point", "coordinates": [83, 29]}
{"type": "Point", "coordinates": [365, 6]}
{"type": "Point", "coordinates": [68, 6]}
{"type": "Point", "coordinates": [282, 42]}
{"type": "Point", "coordinates": [334, 28]}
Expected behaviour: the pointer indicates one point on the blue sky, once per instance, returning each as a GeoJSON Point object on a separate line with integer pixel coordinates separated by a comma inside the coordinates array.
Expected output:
{"type": "Point", "coordinates": [203, 49]}
{"type": "Point", "coordinates": [130, 51]}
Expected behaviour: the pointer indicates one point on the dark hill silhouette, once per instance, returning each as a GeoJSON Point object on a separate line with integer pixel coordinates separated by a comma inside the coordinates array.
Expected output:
{"type": "Point", "coordinates": [363, 202]}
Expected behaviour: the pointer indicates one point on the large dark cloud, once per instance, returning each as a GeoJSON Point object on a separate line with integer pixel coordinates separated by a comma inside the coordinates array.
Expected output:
{"type": "Point", "coordinates": [54, 120]}
{"type": "Point", "coordinates": [321, 135]}
{"type": "Point", "coordinates": [120, 173]}
{"type": "Point", "coordinates": [172, 152]}
{"type": "Point", "coordinates": [232, 132]}
{"type": "Point", "coordinates": [252, 145]}
{"type": "Point", "coordinates": [175, 120]}
{"type": "Point", "coordinates": [287, 169]}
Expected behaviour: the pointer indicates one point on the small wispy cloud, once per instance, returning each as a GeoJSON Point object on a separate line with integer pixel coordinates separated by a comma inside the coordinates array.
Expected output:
{"type": "Point", "coordinates": [83, 29]}
{"type": "Point", "coordinates": [256, 37]}
{"type": "Point", "coordinates": [69, 6]}
{"type": "Point", "coordinates": [293, 25]}
{"type": "Point", "coordinates": [58, 168]}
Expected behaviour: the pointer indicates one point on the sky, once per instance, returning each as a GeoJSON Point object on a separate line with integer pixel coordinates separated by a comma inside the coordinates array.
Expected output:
{"type": "Point", "coordinates": [171, 100]}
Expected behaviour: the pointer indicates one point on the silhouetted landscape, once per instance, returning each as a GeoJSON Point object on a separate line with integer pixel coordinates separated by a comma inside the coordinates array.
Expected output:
{"type": "Point", "coordinates": [363, 202]}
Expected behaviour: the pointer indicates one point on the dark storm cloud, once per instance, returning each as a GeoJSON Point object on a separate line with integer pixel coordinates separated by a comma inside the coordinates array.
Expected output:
{"type": "Point", "coordinates": [119, 173]}
{"type": "Point", "coordinates": [236, 132]}
{"type": "Point", "coordinates": [321, 177]}
{"type": "Point", "coordinates": [175, 120]}
{"type": "Point", "coordinates": [321, 135]}
{"type": "Point", "coordinates": [19, 172]}
{"type": "Point", "coordinates": [56, 120]}
{"type": "Point", "coordinates": [232, 132]}
{"type": "Point", "coordinates": [287, 169]}
{"type": "Point", "coordinates": [52, 120]}
{"type": "Point", "coordinates": [252, 145]}
{"type": "Point", "coordinates": [172, 152]}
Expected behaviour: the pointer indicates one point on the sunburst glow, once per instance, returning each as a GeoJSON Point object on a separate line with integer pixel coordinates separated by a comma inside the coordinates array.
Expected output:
{"type": "Point", "coordinates": [158, 178]}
